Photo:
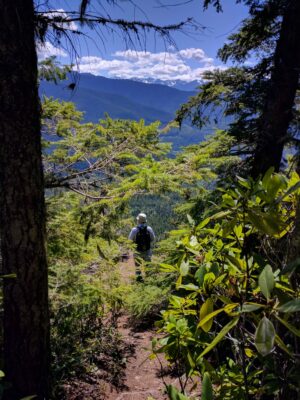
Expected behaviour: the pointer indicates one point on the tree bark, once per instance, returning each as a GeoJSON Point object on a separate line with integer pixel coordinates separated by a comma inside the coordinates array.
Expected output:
{"type": "Point", "coordinates": [278, 111]}
{"type": "Point", "coordinates": [22, 211]}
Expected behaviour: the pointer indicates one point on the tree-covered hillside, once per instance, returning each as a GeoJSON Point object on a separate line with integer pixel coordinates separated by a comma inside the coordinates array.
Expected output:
{"type": "Point", "coordinates": [127, 99]}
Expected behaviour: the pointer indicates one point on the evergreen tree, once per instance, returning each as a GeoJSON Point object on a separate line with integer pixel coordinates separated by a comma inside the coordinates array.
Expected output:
{"type": "Point", "coordinates": [22, 217]}
{"type": "Point", "coordinates": [261, 99]}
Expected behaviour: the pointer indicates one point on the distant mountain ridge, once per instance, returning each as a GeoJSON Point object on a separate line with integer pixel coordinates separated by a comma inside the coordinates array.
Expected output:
{"type": "Point", "coordinates": [120, 98]}
{"type": "Point", "coordinates": [176, 84]}
{"type": "Point", "coordinates": [126, 99]}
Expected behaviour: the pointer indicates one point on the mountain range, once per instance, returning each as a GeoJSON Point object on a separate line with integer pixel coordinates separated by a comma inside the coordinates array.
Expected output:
{"type": "Point", "coordinates": [126, 99]}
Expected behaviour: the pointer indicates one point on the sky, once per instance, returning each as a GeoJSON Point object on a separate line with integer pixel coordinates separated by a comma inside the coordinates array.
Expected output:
{"type": "Point", "coordinates": [185, 58]}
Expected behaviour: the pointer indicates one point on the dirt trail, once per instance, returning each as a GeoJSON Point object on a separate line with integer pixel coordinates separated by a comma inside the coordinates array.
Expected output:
{"type": "Point", "coordinates": [142, 381]}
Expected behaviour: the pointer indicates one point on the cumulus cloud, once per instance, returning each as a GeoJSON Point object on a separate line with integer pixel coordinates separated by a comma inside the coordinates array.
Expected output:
{"type": "Point", "coordinates": [196, 54]}
{"type": "Point", "coordinates": [45, 50]}
{"type": "Point", "coordinates": [72, 26]}
{"type": "Point", "coordinates": [185, 65]}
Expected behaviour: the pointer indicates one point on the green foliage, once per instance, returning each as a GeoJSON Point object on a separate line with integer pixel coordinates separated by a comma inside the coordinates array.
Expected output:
{"type": "Point", "coordinates": [92, 159]}
{"type": "Point", "coordinates": [144, 301]}
{"type": "Point", "coordinates": [207, 390]}
{"type": "Point", "coordinates": [174, 394]}
{"type": "Point", "coordinates": [107, 163]}
{"type": "Point", "coordinates": [208, 160]}
{"type": "Point", "coordinates": [230, 312]}
{"type": "Point", "coordinates": [82, 281]}
{"type": "Point", "coordinates": [239, 93]}
{"type": "Point", "coordinates": [51, 70]}
{"type": "Point", "coordinates": [236, 95]}
{"type": "Point", "coordinates": [76, 315]}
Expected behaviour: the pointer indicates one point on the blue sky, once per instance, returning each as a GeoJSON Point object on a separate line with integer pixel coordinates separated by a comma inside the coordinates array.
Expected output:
{"type": "Point", "coordinates": [108, 55]}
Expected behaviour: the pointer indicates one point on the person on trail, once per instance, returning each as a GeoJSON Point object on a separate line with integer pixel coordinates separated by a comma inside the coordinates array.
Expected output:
{"type": "Point", "coordinates": [143, 236]}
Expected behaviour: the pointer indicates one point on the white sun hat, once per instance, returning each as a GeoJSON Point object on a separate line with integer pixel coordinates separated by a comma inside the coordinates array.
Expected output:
{"type": "Point", "coordinates": [141, 218]}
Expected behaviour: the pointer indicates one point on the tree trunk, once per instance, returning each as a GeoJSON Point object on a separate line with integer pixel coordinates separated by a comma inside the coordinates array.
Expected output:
{"type": "Point", "coordinates": [22, 211]}
{"type": "Point", "coordinates": [278, 111]}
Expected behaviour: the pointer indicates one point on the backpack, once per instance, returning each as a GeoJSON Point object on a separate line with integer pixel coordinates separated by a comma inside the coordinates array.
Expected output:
{"type": "Point", "coordinates": [143, 239]}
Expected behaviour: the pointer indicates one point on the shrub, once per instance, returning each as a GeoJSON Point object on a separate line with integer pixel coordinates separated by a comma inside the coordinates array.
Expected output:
{"type": "Point", "coordinates": [233, 310]}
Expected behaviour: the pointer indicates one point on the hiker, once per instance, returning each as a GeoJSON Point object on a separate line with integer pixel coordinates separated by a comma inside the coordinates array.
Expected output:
{"type": "Point", "coordinates": [143, 236]}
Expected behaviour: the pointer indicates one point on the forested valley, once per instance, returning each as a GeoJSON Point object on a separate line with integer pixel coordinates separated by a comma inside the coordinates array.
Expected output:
{"type": "Point", "coordinates": [216, 313]}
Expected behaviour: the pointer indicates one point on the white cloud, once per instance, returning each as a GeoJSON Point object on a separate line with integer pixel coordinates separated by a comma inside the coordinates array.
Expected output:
{"type": "Point", "coordinates": [185, 65]}
{"type": "Point", "coordinates": [45, 50]}
{"type": "Point", "coordinates": [72, 26]}
{"type": "Point", "coordinates": [196, 54]}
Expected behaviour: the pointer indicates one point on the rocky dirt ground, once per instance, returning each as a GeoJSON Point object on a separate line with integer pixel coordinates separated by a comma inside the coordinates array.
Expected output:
{"type": "Point", "coordinates": [143, 377]}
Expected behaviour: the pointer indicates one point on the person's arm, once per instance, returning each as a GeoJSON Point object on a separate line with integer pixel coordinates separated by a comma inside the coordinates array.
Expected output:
{"type": "Point", "coordinates": [152, 235]}
{"type": "Point", "coordinates": [132, 234]}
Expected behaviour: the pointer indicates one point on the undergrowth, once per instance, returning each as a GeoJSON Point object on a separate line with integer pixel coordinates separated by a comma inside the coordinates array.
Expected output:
{"type": "Point", "coordinates": [145, 300]}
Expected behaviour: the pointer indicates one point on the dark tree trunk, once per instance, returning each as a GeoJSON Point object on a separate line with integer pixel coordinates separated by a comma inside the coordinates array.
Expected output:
{"type": "Point", "coordinates": [277, 113]}
{"type": "Point", "coordinates": [22, 213]}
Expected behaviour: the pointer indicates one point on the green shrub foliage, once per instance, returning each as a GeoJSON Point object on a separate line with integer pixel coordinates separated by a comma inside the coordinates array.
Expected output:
{"type": "Point", "coordinates": [233, 313]}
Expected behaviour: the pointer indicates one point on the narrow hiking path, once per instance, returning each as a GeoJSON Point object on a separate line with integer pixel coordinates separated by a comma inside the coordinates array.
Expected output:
{"type": "Point", "coordinates": [142, 375]}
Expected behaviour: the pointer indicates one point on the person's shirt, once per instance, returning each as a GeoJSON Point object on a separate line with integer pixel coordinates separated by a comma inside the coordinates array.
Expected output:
{"type": "Point", "coordinates": [134, 231]}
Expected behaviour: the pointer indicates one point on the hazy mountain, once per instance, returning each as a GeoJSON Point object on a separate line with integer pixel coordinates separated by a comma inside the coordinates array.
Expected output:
{"type": "Point", "coordinates": [120, 98]}
{"type": "Point", "coordinates": [126, 99]}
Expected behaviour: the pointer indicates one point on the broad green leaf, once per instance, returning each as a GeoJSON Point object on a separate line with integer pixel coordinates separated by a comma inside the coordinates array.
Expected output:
{"type": "Point", "coordinates": [192, 250]}
{"type": "Point", "coordinates": [290, 306]}
{"type": "Point", "coordinates": [206, 309]}
{"type": "Point", "coordinates": [189, 286]}
{"type": "Point", "coordinates": [167, 268]}
{"type": "Point", "coordinates": [209, 278]}
{"type": "Point", "coordinates": [266, 281]}
{"type": "Point", "coordinates": [227, 308]}
{"type": "Point", "coordinates": [249, 307]}
{"type": "Point", "coordinates": [207, 389]}
{"type": "Point", "coordinates": [190, 359]}
{"type": "Point", "coordinates": [179, 280]}
{"type": "Point", "coordinates": [230, 307]}
{"type": "Point", "coordinates": [221, 214]}
{"type": "Point", "coordinates": [265, 223]}
{"type": "Point", "coordinates": [200, 274]}
{"type": "Point", "coordinates": [272, 223]}
{"type": "Point", "coordinates": [220, 279]}
{"type": "Point", "coordinates": [265, 336]}
{"type": "Point", "coordinates": [219, 337]}
{"type": "Point", "coordinates": [174, 394]}
{"type": "Point", "coordinates": [225, 300]}
{"type": "Point", "coordinates": [2, 374]}
{"type": "Point", "coordinates": [284, 288]}
{"type": "Point", "coordinates": [276, 183]}
{"type": "Point", "coordinates": [228, 200]}
{"type": "Point", "coordinates": [244, 182]}
{"type": "Point", "coordinates": [184, 268]}
{"type": "Point", "coordinates": [176, 301]}
{"type": "Point", "coordinates": [290, 327]}
{"type": "Point", "coordinates": [267, 176]}
{"type": "Point", "coordinates": [203, 223]}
